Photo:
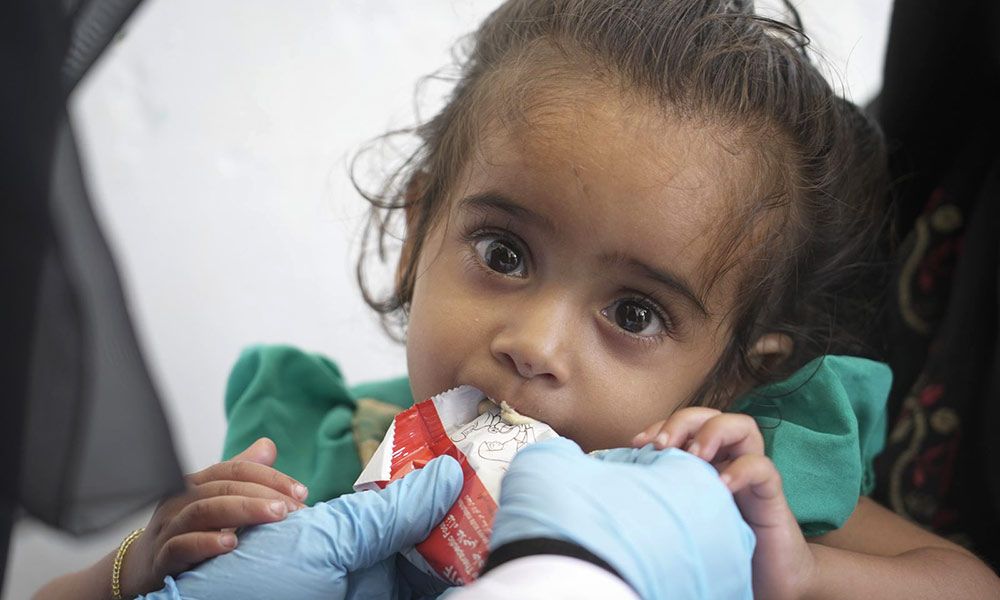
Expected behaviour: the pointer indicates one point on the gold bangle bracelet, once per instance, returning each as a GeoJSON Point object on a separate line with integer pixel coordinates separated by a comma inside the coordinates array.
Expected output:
{"type": "Point", "coordinates": [116, 569]}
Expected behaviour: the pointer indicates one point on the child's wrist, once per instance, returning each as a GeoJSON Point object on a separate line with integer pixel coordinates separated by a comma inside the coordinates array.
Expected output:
{"type": "Point", "coordinates": [96, 579]}
{"type": "Point", "coordinates": [133, 578]}
{"type": "Point", "coordinates": [117, 566]}
{"type": "Point", "coordinates": [814, 583]}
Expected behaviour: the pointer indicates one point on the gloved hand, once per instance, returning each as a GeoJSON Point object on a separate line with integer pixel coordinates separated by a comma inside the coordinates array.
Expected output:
{"type": "Point", "coordinates": [662, 519]}
{"type": "Point", "coordinates": [345, 548]}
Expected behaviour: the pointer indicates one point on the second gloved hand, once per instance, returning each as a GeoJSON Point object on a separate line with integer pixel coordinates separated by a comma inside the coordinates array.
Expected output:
{"type": "Point", "coordinates": [345, 548]}
{"type": "Point", "coordinates": [662, 519]}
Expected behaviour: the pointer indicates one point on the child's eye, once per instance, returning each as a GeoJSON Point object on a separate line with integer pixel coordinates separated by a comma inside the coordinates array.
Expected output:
{"type": "Point", "coordinates": [500, 254]}
{"type": "Point", "coordinates": [638, 317]}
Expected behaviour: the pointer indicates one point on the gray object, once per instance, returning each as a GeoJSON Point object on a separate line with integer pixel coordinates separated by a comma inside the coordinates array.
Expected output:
{"type": "Point", "coordinates": [84, 441]}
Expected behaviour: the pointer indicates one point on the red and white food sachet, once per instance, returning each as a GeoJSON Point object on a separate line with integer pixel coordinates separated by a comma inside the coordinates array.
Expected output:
{"type": "Point", "coordinates": [464, 425]}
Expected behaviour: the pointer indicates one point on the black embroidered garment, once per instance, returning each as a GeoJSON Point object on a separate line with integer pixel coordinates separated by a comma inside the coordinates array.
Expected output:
{"type": "Point", "coordinates": [941, 466]}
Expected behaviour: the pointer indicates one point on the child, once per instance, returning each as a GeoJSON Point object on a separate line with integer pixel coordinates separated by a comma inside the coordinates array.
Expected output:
{"type": "Point", "coordinates": [628, 215]}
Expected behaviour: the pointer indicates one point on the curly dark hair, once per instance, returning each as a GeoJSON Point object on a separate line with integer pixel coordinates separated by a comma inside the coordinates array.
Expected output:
{"type": "Point", "coordinates": [806, 244]}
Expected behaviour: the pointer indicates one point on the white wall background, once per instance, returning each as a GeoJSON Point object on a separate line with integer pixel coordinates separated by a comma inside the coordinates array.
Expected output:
{"type": "Point", "coordinates": [216, 137]}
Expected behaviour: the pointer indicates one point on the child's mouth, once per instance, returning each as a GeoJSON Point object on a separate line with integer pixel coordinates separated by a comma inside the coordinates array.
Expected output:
{"type": "Point", "coordinates": [508, 414]}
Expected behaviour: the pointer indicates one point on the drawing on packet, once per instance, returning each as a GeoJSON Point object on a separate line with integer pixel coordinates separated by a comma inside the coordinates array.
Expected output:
{"type": "Point", "coordinates": [497, 441]}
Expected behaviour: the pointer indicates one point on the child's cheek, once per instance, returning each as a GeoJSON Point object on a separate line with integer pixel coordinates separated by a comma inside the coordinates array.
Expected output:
{"type": "Point", "coordinates": [441, 336]}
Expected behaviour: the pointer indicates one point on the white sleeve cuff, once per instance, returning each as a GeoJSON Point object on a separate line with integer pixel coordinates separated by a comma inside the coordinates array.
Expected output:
{"type": "Point", "coordinates": [547, 577]}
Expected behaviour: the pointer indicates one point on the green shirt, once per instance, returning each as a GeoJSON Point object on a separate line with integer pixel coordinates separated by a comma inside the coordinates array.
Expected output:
{"type": "Point", "coordinates": [822, 427]}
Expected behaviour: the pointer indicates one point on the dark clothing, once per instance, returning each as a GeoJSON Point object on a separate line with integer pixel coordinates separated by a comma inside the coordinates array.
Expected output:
{"type": "Point", "coordinates": [938, 107]}
{"type": "Point", "coordinates": [83, 440]}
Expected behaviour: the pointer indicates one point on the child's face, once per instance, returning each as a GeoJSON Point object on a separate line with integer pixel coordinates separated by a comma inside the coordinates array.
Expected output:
{"type": "Point", "coordinates": [566, 275]}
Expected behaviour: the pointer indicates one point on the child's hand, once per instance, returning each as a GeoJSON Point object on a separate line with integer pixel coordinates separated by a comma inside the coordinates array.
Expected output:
{"type": "Point", "coordinates": [198, 524]}
{"type": "Point", "coordinates": [344, 548]}
{"type": "Point", "coordinates": [782, 562]}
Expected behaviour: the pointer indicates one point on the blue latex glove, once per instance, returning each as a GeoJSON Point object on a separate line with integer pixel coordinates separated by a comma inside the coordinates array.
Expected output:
{"type": "Point", "coordinates": [662, 519]}
{"type": "Point", "coordinates": [345, 548]}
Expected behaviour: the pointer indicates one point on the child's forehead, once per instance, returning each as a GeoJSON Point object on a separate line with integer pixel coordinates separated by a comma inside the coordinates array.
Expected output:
{"type": "Point", "coordinates": [591, 125]}
{"type": "Point", "coordinates": [602, 142]}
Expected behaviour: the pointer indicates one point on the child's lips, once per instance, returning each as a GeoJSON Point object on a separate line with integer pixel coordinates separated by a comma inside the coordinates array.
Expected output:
{"type": "Point", "coordinates": [508, 413]}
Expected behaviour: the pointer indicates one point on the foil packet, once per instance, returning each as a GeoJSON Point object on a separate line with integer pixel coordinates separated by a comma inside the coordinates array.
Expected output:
{"type": "Point", "coordinates": [483, 438]}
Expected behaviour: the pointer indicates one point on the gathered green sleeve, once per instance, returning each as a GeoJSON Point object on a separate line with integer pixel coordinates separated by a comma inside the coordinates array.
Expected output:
{"type": "Point", "coordinates": [823, 428]}
{"type": "Point", "coordinates": [300, 401]}
{"type": "Point", "coordinates": [319, 424]}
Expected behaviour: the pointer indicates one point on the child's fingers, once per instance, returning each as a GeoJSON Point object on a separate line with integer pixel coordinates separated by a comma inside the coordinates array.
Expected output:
{"type": "Point", "coordinates": [221, 512]}
{"type": "Point", "coordinates": [239, 470]}
{"type": "Point", "coordinates": [756, 486]}
{"type": "Point", "coordinates": [184, 551]}
{"type": "Point", "coordinates": [263, 452]}
{"type": "Point", "coordinates": [727, 435]}
{"type": "Point", "coordinates": [647, 435]}
{"type": "Point", "coordinates": [675, 431]}
{"type": "Point", "coordinates": [754, 472]}
{"type": "Point", "coordinates": [242, 488]}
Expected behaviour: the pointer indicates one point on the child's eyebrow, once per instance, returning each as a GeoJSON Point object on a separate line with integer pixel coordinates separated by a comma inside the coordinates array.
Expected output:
{"type": "Point", "coordinates": [495, 201]}
{"type": "Point", "coordinates": [671, 280]}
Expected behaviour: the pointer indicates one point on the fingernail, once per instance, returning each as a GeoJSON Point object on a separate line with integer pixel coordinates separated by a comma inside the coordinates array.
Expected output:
{"type": "Point", "coordinates": [291, 506]}
{"type": "Point", "coordinates": [662, 439]}
{"type": "Point", "coordinates": [300, 491]}
{"type": "Point", "coordinates": [726, 479]}
{"type": "Point", "coordinates": [278, 508]}
{"type": "Point", "coordinates": [261, 449]}
{"type": "Point", "coordinates": [693, 448]}
{"type": "Point", "coordinates": [228, 540]}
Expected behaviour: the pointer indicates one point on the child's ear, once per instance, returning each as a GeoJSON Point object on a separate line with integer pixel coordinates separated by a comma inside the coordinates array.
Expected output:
{"type": "Point", "coordinates": [771, 349]}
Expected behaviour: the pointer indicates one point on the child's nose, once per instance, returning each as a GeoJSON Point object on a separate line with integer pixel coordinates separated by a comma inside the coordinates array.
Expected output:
{"type": "Point", "coordinates": [534, 339]}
